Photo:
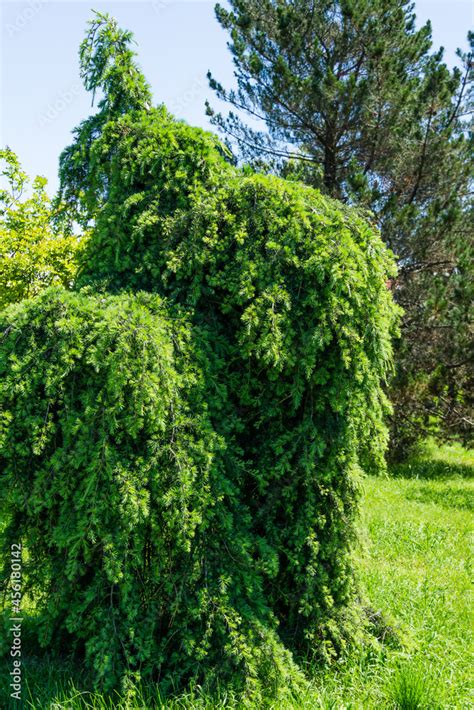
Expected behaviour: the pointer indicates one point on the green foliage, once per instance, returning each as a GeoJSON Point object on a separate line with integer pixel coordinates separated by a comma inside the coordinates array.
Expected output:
{"type": "Point", "coordinates": [183, 439]}
{"type": "Point", "coordinates": [118, 486]}
{"type": "Point", "coordinates": [354, 102]}
{"type": "Point", "coordinates": [413, 562]}
{"type": "Point", "coordinates": [34, 254]}
{"type": "Point", "coordinates": [107, 63]}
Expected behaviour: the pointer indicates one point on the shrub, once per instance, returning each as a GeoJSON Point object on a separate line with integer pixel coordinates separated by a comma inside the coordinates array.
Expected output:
{"type": "Point", "coordinates": [186, 460]}
{"type": "Point", "coordinates": [292, 286]}
{"type": "Point", "coordinates": [117, 484]}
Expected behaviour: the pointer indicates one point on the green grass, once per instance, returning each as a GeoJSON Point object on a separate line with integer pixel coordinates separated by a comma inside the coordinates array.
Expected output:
{"type": "Point", "coordinates": [413, 562]}
{"type": "Point", "coordinates": [415, 565]}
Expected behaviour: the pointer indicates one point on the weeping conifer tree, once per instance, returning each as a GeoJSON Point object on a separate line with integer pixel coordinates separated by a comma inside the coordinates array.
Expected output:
{"type": "Point", "coordinates": [183, 436]}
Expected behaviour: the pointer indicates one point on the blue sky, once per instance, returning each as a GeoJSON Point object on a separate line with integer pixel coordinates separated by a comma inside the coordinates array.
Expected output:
{"type": "Point", "coordinates": [42, 98]}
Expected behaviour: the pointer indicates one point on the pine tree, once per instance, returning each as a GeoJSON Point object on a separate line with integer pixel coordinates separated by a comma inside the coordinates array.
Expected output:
{"type": "Point", "coordinates": [357, 104]}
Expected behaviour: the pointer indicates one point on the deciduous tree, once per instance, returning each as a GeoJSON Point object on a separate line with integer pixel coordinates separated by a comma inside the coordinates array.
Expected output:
{"type": "Point", "coordinates": [34, 253]}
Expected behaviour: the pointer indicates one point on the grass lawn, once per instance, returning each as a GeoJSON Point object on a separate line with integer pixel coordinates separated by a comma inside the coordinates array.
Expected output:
{"type": "Point", "coordinates": [413, 563]}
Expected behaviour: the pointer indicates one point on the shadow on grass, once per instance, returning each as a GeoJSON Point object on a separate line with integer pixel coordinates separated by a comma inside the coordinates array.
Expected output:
{"type": "Point", "coordinates": [448, 496]}
{"type": "Point", "coordinates": [45, 680]}
{"type": "Point", "coordinates": [450, 481]}
{"type": "Point", "coordinates": [432, 470]}
{"type": "Point", "coordinates": [51, 682]}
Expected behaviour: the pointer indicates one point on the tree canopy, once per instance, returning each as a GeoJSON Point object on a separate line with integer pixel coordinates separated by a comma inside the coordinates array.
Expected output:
{"type": "Point", "coordinates": [184, 433]}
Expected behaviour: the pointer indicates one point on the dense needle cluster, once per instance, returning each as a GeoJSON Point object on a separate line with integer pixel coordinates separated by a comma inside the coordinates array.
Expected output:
{"type": "Point", "coordinates": [182, 434]}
